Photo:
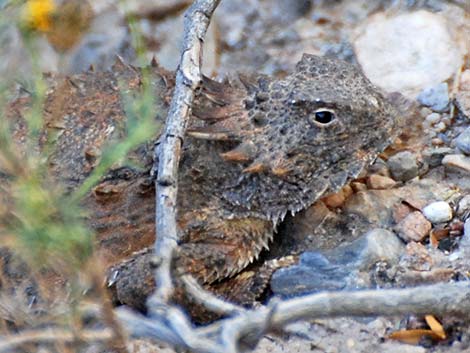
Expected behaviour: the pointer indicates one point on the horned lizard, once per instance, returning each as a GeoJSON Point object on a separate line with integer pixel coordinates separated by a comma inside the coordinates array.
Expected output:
{"type": "Point", "coordinates": [256, 149]}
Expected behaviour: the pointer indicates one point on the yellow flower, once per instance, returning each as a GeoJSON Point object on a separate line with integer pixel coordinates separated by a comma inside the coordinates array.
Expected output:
{"type": "Point", "coordinates": [37, 14]}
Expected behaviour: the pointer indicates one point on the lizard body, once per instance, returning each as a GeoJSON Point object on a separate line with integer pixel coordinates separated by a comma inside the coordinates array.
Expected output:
{"type": "Point", "coordinates": [257, 148]}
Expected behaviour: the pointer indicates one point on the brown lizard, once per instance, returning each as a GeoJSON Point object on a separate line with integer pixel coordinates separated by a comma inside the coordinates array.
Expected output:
{"type": "Point", "coordinates": [257, 148]}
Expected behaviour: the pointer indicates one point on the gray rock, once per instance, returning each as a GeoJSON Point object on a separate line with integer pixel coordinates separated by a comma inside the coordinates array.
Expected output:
{"type": "Point", "coordinates": [464, 205]}
{"type": "Point", "coordinates": [457, 161]}
{"type": "Point", "coordinates": [403, 166]}
{"type": "Point", "coordinates": [465, 240]}
{"type": "Point", "coordinates": [339, 268]}
{"type": "Point", "coordinates": [436, 97]}
{"type": "Point", "coordinates": [433, 156]}
{"type": "Point", "coordinates": [438, 212]}
{"type": "Point", "coordinates": [463, 141]}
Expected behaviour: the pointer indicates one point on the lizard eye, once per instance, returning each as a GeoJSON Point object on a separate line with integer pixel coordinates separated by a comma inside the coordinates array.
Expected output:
{"type": "Point", "coordinates": [323, 116]}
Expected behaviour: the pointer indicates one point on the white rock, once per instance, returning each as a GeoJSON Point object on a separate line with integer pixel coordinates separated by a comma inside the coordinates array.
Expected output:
{"type": "Point", "coordinates": [398, 53]}
{"type": "Point", "coordinates": [438, 212]}
{"type": "Point", "coordinates": [433, 118]}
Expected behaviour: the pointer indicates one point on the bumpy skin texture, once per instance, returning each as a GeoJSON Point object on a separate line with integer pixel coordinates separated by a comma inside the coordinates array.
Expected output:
{"type": "Point", "coordinates": [256, 149]}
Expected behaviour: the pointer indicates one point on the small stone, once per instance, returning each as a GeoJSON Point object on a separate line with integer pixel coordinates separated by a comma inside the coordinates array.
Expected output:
{"type": "Point", "coordinates": [403, 166]}
{"type": "Point", "coordinates": [464, 205]}
{"type": "Point", "coordinates": [433, 118]}
{"type": "Point", "coordinates": [438, 212]}
{"type": "Point", "coordinates": [376, 181]}
{"type": "Point", "coordinates": [436, 97]}
{"type": "Point", "coordinates": [424, 112]}
{"type": "Point", "coordinates": [437, 141]}
{"type": "Point", "coordinates": [463, 141]}
{"type": "Point", "coordinates": [440, 127]}
{"type": "Point", "coordinates": [433, 156]}
{"type": "Point", "coordinates": [447, 121]}
{"type": "Point", "coordinates": [457, 161]}
{"type": "Point", "coordinates": [414, 227]}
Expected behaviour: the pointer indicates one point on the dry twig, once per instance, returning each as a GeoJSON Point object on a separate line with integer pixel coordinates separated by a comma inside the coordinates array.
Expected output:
{"type": "Point", "coordinates": [241, 332]}
{"type": "Point", "coordinates": [188, 78]}
{"type": "Point", "coordinates": [244, 330]}
{"type": "Point", "coordinates": [208, 300]}
{"type": "Point", "coordinates": [8, 343]}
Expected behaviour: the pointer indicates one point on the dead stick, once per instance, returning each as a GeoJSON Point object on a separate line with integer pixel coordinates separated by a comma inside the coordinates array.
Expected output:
{"type": "Point", "coordinates": [188, 78]}
{"type": "Point", "coordinates": [438, 299]}
{"type": "Point", "coordinates": [8, 343]}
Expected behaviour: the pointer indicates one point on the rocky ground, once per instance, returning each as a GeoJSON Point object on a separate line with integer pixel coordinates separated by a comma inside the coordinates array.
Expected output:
{"type": "Point", "coordinates": [405, 221]}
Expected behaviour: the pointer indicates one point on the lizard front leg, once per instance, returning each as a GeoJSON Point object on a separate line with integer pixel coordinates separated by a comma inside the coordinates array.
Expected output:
{"type": "Point", "coordinates": [216, 248]}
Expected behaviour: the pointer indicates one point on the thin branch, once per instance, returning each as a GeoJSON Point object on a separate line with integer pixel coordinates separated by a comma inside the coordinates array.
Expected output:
{"type": "Point", "coordinates": [188, 78]}
{"type": "Point", "coordinates": [246, 329]}
{"type": "Point", "coordinates": [207, 299]}
{"type": "Point", "coordinates": [438, 299]}
{"type": "Point", "coordinates": [8, 343]}
{"type": "Point", "coordinates": [227, 335]}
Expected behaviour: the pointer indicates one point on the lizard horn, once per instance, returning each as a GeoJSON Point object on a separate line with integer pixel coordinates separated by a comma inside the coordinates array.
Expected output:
{"type": "Point", "coordinates": [212, 135]}
{"type": "Point", "coordinates": [245, 152]}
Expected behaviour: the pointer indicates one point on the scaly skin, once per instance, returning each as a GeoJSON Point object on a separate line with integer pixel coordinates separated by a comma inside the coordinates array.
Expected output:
{"type": "Point", "coordinates": [256, 149]}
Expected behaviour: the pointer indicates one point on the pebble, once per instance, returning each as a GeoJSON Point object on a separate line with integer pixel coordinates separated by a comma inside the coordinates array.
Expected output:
{"type": "Point", "coordinates": [339, 268]}
{"type": "Point", "coordinates": [414, 227]}
{"type": "Point", "coordinates": [457, 161]}
{"type": "Point", "coordinates": [464, 205]}
{"type": "Point", "coordinates": [438, 212]}
{"type": "Point", "coordinates": [424, 112]}
{"type": "Point", "coordinates": [376, 181]}
{"type": "Point", "coordinates": [403, 166]}
{"type": "Point", "coordinates": [437, 142]}
{"type": "Point", "coordinates": [433, 156]}
{"type": "Point", "coordinates": [435, 97]}
{"type": "Point", "coordinates": [463, 141]}
{"type": "Point", "coordinates": [440, 127]}
{"type": "Point", "coordinates": [433, 118]}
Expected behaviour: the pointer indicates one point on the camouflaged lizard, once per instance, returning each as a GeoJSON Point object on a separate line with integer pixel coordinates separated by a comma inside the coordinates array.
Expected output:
{"type": "Point", "coordinates": [256, 149]}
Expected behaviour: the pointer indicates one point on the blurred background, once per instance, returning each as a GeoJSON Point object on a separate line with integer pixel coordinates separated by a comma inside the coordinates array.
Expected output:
{"type": "Point", "coordinates": [267, 36]}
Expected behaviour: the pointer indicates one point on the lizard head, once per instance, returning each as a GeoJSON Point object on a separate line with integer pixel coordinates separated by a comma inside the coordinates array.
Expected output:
{"type": "Point", "coordinates": [308, 133]}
